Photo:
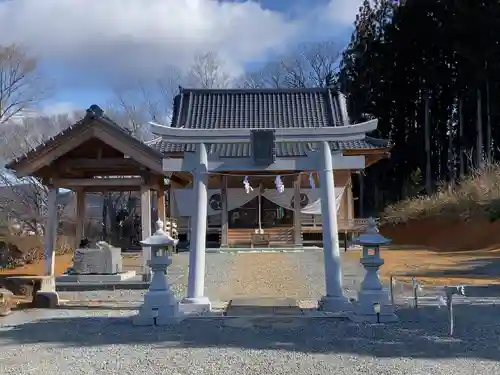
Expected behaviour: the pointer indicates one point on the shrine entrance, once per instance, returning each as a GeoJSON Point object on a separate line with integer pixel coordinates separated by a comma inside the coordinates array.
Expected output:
{"type": "Point", "coordinates": [260, 213]}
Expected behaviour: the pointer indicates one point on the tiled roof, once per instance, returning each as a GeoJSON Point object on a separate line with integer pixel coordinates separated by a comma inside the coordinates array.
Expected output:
{"type": "Point", "coordinates": [259, 108]}
{"type": "Point", "coordinates": [93, 114]}
{"type": "Point", "coordinates": [282, 149]}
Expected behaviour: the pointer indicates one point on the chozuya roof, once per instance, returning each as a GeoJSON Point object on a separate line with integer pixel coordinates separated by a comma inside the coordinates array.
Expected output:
{"type": "Point", "coordinates": [261, 108]}
{"type": "Point", "coordinates": [94, 114]}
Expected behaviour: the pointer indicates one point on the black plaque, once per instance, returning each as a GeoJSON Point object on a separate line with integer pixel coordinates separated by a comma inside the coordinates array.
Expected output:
{"type": "Point", "coordinates": [263, 147]}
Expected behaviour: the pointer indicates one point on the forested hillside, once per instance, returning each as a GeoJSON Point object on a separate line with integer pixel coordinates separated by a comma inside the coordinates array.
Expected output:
{"type": "Point", "coordinates": [429, 70]}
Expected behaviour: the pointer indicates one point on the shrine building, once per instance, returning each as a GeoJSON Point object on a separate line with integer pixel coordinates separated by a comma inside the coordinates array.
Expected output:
{"type": "Point", "coordinates": [262, 215]}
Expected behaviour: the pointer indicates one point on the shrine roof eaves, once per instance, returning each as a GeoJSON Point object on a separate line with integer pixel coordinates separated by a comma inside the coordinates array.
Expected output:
{"type": "Point", "coordinates": [94, 114]}
{"type": "Point", "coordinates": [221, 109]}
{"type": "Point", "coordinates": [282, 149]}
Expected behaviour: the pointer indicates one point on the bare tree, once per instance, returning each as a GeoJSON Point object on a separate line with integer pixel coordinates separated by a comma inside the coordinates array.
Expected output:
{"type": "Point", "coordinates": [24, 201]}
{"type": "Point", "coordinates": [134, 106]}
{"type": "Point", "coordinates": [208, 72]}
{"type": "Point", "coordinates": [313, 65]}
{"type": "Point", "coordinates": [21, 85]}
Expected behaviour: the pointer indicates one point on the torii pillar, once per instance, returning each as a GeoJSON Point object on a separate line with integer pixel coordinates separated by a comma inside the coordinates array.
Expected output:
{"type": "Point", "coordinates": [196, 279]}
{"type": "Point", "coordinates": [334, 300]}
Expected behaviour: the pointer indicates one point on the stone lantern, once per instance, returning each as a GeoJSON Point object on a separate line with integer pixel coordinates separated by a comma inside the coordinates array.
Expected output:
{"type": "Point", "coordinates": [373, 304]}
{"type": "Point", "coordinates": [160, 306]}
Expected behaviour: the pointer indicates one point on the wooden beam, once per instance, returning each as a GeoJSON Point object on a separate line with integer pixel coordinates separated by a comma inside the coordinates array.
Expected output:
{"type": "Point", "coordinates": [94, 182]}
{"type": "Point", "coordinates": [92, 163]}
{"type": "Point", "coordinates": [179, 180]}
{"type": "Point", "coordinates": [111, 189]}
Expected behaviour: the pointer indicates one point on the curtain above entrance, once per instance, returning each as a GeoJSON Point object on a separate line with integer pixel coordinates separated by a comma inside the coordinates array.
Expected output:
{"type": "Point", "coordinates": [185, 200]}
{"type": "Point", "coordinates": [310, 201]}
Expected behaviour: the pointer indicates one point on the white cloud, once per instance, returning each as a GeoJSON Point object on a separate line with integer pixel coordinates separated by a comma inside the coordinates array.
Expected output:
{"type": "Point", "coordinates": [342, 11]}
{"type": "Point", "coordinates": [134, 37]}
{"type": "Point", "coordinates": [59, 108]}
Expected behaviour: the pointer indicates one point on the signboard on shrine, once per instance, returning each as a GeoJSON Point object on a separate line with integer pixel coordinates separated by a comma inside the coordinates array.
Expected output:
{"type": "Point", "coordinates": [263, 146]}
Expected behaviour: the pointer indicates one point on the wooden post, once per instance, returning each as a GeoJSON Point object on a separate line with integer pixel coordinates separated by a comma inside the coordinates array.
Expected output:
{"type": "Point", "coordinates": [297, 229]}
{"type": "Point", "coordinates": [146, 228]}
{"type": "Point", "coordinates": [81, 209]}
{"type": "Point", "coordinates": [160, 203]}
{"type": "Point", "coordinates": [350, 202]}
{"type": "Point", "coordinates": [50, 232]}
{"type": "Point", "coordinates": [224, 219]}
{"type": "Point", "coordinates": [168, 211]}
{"type": "Point", "coordinates": [361, 194]}
{"type": "Point", "coordinates": [171, 199]}
{"type": "Point", "coordinates": [350, 213]}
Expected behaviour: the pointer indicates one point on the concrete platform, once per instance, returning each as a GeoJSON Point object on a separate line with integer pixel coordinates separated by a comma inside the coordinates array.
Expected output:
{"type": "Point", "coordinates": [69, 278]}
{"type": "Point", "coordinates": [134, 283]}
{"type": "Point", "coordinates": [262, 306]}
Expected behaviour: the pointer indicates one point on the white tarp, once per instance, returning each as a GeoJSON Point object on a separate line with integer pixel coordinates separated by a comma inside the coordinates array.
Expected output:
{"type": "Point", "coordinates": [184, 200]}
{"type": "Point", "coordinates": [310, 200]}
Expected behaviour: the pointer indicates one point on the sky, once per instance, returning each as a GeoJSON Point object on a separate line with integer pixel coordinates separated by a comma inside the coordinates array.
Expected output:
{"type": "Point", "coordinates": [88, 46]}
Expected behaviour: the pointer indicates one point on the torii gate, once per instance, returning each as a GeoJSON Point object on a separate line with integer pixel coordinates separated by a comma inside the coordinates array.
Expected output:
{"type": "Point", "coordinates": [322, 160]}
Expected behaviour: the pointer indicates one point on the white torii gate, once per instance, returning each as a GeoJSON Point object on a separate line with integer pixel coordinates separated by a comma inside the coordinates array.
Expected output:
{"type": "Point", "coordinates": [322, 160]}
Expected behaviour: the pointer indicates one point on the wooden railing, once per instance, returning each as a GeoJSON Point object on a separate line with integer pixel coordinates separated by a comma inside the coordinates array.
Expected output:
{"type": "Point", "coordinates": [314, 221]}
{"type": "Point", "coordinates": [271, 236]}
{"type": "Point", "coordinates": [307, 222]}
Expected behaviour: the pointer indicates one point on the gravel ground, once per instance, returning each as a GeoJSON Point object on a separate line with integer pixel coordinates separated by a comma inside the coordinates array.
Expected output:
{"type": "Point", "coordinates": [97, 341]}
{"type": "Point", "coordinates": [217, 270]}
{"type": "Point", "coordinates": [105, 342]}
{"type": "Point", "coordinates": [232, 275]}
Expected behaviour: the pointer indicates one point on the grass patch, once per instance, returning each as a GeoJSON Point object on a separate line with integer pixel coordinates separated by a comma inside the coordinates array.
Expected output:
{"type": "Point", "coordinates": [433, 268]}
{"type": "Point", "coordinates": [478, 194]}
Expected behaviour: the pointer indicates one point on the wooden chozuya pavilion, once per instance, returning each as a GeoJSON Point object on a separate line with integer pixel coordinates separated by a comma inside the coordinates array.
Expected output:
{"type": "Point", "coordinates": [292, 145]}
{"type": "Point", "coordinates": [94, 155]}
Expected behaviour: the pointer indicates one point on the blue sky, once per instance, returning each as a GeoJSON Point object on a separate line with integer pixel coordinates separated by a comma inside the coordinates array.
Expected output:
{"type": "Point", "coordinates": [88, 46]}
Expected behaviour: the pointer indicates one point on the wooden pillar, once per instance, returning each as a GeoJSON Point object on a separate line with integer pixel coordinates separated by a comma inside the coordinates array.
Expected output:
{"type": "Point", "coordinates": [224, 219]}
{"type": "Point", "coordinates": [171, 199]}
{"type": "Point", "coordinates": [146, 229]}
{"type": "Point", "coordinates": [297, 228]}
{"type": "Point", "coordinates": [81, 210]}
{"type": "Point", "coordinates": [350, 201]}
{"type": "Point", "coordinates": [168, 192]}
{"type": "Point", "coordinates": [50, 232]}
{"type": "Point", "coordinates": [361, 194]}
{"type": "Point", "coordinates": [160, 203]}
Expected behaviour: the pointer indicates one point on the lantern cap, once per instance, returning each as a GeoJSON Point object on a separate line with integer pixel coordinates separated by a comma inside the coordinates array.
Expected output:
{"type": "Point", "coordinates": [371, 236]}
{"type": "Point", "coordinates": [159, 238]}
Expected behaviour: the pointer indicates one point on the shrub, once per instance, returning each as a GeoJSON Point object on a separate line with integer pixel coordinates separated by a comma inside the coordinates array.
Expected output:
{"type": "Point", "coordinates": [21, 250]}
{"type": "Point", "coordinates": [478, 194]}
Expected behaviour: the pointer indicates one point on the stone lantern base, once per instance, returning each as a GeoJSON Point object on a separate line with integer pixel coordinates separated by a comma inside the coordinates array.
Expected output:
{"type": "Point", "coordinates": [159, 308]}
{"type": "Point", "coordinates": [363, 308]}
